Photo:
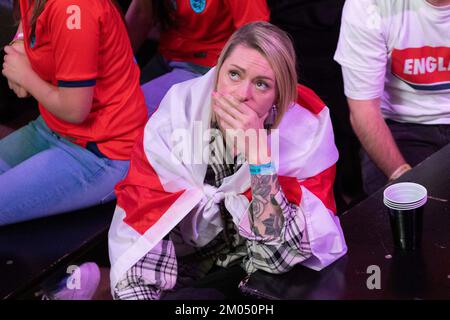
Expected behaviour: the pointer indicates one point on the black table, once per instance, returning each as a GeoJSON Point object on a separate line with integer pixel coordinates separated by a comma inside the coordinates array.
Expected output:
{"type": "Point", "coordinates": [424, 274]}
{"type": "Point", "coordinates": [31, 252]}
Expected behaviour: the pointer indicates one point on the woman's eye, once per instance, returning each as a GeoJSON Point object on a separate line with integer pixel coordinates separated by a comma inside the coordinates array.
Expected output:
{"type": "Point", "coordinates": [234, 75]}
{"type": "Point", "coordinates": [261, 85]}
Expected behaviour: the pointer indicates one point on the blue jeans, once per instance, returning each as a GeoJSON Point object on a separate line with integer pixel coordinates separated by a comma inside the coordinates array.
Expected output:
{"type": "Point", "coordinates": [416, 142]}
{"type": "Point", "coordinates": [156, 89]}
{"type": "Point", "coordinates": [43, 174]}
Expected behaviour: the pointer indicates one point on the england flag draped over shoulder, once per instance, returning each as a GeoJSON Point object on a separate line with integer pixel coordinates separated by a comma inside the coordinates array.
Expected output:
{"type": "Point", "coordinates": [161, 190]}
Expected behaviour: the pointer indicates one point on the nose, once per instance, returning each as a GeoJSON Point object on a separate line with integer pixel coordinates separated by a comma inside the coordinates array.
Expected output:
{"type": "Point", "coordinates": [243, 91]}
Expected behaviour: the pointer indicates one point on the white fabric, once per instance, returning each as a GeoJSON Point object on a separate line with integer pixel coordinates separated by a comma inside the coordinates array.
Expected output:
{"type": "Point", "coordinates": [373, 33]}
{"type": "Point", "coordinates": [311, 152]}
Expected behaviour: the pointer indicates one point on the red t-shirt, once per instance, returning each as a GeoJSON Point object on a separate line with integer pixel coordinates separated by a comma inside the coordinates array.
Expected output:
{"type": "Point", "coordinates": [204, 26]}
{"type": "Point", "coordinates": [80, 43]}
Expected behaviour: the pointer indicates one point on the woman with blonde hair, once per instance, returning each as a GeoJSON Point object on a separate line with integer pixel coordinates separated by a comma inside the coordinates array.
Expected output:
{"type": "Point", "coordinates": [196, 200]}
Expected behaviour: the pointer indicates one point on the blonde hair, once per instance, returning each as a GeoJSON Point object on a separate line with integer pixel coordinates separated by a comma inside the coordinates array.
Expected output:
{"type": "Point", "coordinates": [276, 46]}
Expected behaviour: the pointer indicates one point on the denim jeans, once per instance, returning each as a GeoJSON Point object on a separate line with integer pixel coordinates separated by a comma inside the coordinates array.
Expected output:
{"type": "Point", "coordinates": [156, 89]}
{"type": "Point", "coordinates": [416, 142]}
{"type": "Point", "coordinates": [43, 174]}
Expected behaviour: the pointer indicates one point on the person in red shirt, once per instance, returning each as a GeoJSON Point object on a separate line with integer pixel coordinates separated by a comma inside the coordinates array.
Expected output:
{"type": "Point", "coordinates": [75, 58]}
{"type": "Point", "coordinates": [192, 35]}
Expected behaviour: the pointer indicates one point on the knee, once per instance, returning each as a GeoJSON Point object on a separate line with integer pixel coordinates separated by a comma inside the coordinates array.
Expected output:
{"type": "Point", "coordinates": [4, 166]}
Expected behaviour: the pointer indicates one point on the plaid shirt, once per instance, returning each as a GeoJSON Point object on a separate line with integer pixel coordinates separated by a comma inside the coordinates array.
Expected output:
{"type": "Point", "coordinates": [160, 269]}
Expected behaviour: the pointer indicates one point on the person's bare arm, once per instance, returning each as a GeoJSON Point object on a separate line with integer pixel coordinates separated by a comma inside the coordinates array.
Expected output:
{"type": "Point", "coordinates": [69, 104]}
{"type": "Point", "coordinates": [374, 134]}
{"type": "Point", "coordinates": [139, 22]}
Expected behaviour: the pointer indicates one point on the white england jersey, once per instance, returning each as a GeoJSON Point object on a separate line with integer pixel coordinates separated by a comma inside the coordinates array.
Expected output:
{"type": "Point", "coordinates": [398, 50]}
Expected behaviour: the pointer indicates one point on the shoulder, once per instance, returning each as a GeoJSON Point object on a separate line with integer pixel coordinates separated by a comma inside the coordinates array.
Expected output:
{"type": "Point", "coordinates": [75, 14]}
{"type": "Point", "coordinates": [364, 10]}
{"type": "Point", "coordinates": [73, 7]}
{"type": "Point", "coordinates": [309, 100]}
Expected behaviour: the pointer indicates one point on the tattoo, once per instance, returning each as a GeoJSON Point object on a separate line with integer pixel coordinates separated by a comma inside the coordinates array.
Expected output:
{"type": "Point", "coordinates": [256, 210]}
{"type": "Point", "coordinates": [261, 185]}
{"type": "Point", "coordinates": [273, 201]}
{"type": "Point", "coordinates": [266, 216]}
{"type": "Point", "coordinates": [257, 207]}
{"type": "Point", "coordinates": [275, 183]}
{"type": "Point", "coordinates": [273, 225]}
{"type": "Point", "coordinates": [255, 230]}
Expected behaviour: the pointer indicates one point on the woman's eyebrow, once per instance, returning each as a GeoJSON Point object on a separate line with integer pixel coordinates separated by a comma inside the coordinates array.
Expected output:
{"type": "Point", "coordinates": [237, 67]}
{"type": "Point", "coordinates": [265, 78]}
{"type": "Point", "coordinates": [242, 70]}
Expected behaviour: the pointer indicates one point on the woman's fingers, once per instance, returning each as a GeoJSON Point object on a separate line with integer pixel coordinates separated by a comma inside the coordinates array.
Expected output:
{"type": "Point", "coordinates": [9, 49]}
{"type": "Point", "coordinates": [224, 115]}
{"type": "Point", "coordinates": [264, 117]}
{"type": "Point", "coordinates": [5, 72]}
{"type": "Point", "coordinates": [19, 47]}
{"type": "Point", "coordinates": [223, 105]}
{"type": "Point", "coordinates": [233, 103]}
{"type": "Point", "coordinates": [18, 90]}
{"type": "Point", "coordinates": [21, 92]}
{"type": "Point", "coordinates": [240, 106]}
{"type": "Point", "coordinates": [245, 117]}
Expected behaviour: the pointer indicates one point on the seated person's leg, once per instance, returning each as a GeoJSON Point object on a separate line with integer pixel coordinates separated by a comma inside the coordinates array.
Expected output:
{"type": "Point", "coordinates": [63, 178]}
{"type": "Point", "coordinates": [156, 89]}
{"type": "Point", "coordinates": [20, 145]}
{"type": "Point", "coordinates": [146, 279]}
{"type": "Point", "coordinates": [162, 275]}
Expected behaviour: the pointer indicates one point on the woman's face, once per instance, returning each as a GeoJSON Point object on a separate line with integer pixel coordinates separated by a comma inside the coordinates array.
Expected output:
{"type": "Point", "coordinates": [248, 76]}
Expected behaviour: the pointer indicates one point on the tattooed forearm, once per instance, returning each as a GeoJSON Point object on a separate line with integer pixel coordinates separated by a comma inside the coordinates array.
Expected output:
{"type": "Point", "coordinates": [258, 206]}
{"type": "Point", "coordinates": [266, 216]}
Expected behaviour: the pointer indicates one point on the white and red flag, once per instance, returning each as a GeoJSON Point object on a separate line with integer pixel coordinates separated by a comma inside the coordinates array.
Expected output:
{"type": "Point", "coordinates": [162, 189]}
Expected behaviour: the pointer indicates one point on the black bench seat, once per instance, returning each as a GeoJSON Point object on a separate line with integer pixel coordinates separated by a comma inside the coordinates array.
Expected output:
{"type": "Point", "coordinates": [31, 252]}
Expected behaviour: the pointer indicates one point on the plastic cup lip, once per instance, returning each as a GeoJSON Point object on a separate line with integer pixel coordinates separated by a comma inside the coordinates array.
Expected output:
{"type": "Point", "coordinates": [405, 193]}
{"type": "Point", "coordinates": [405, 205]}
{"type": "Point", "coordinates": [404, 208]}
